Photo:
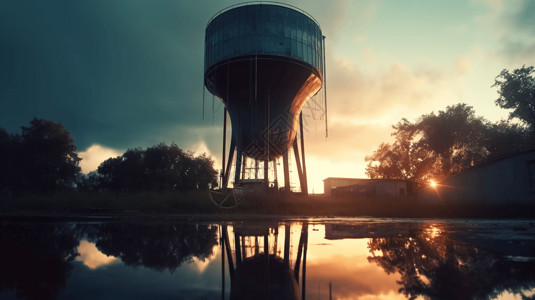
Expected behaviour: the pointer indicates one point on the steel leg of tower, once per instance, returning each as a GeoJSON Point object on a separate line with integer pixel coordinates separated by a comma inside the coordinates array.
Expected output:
{"type": "Point", "coordinates": [304, 184]}
{"type": "Point", "coordinates": [239, 153]}
{"type": "Point", "coordinates": [286, 168]}
{"type": "Point", "coordinates": [226, 172]}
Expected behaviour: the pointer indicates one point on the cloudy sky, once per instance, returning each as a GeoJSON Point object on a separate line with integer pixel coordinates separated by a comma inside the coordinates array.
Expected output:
{"type": "Point", "coordinates": [123, 74]}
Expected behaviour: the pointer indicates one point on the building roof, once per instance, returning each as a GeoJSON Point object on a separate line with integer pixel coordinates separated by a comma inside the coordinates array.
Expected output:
{"type": "Point", "coordinates": [365, 179]}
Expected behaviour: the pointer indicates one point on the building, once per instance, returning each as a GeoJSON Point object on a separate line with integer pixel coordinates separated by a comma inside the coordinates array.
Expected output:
{"type": "Point", "coordinates": [507, 180]}
{"type": "Point", "coordinates": [385, 188]}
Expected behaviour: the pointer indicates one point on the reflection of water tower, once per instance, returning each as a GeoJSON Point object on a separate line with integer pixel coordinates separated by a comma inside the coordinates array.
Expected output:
{"type": "Point", "coordinates": [261, 268]}
{"type": "Point", "coordinates": [264, 61]}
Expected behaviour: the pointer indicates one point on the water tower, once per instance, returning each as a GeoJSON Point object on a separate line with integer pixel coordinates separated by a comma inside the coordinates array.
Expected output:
{"type": "Point", "coordinates": [263, 61]}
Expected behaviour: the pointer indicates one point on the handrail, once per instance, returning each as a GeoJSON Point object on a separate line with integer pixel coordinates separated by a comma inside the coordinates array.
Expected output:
{"type": "Point", "coordinates": [262, 2]}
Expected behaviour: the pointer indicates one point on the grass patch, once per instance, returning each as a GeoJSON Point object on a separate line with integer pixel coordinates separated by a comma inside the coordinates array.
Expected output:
{"type": "Point", "coordinates": [198, 202]}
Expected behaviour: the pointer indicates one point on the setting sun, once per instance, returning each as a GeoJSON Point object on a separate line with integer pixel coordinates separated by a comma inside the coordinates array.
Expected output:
{"type": "Point", "coordinates": [433, 183]}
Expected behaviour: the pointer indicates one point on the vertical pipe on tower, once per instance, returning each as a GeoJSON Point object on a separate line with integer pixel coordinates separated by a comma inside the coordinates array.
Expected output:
{"type": "Point", "coordinates": [304, 184]}
{"type": "Point", "coordinates": [325, 86]}
{"type": "Point", "coordinates": [266, 147]}
{"type": "Point", "coordinates": [223, 184]}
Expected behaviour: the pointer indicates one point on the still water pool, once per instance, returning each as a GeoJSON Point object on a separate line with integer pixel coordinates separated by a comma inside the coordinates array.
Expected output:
{"type": "Point", "coordinates": [331, 258]}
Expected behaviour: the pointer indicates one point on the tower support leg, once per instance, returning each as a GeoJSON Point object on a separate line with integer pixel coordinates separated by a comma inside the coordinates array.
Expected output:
{"type": "Point", "coordinates": [302, 181]}
{"type": "Point", "coordinates": [286, 168]}
{"type": "Point", "coordinates": [226, 171]}
{"type": "Point", "coordinates": [304, 184]}
{"type": "Point", "coordinates": [239, 154]}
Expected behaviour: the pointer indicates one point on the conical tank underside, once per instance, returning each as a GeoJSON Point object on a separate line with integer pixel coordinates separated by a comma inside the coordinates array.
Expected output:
{"type": "Point", "coordinates": [264, 96]}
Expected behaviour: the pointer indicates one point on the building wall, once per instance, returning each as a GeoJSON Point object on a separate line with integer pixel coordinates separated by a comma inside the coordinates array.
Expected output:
{"type": "Point", "coordinates": [331, 183]}
{"type": "Point", "coordinates": [509, 180]}
{"type": "Point", "coordinates": [387, 188]}
{"type": "Point", "coordinates": [390, 189]}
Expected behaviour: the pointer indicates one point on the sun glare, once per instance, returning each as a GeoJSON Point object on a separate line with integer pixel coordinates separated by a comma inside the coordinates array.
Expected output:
{"type": "Point", "coordinates": [433, 183]}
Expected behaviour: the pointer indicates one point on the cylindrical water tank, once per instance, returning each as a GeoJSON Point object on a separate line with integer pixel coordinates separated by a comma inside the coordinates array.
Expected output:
{"type": "Point", "coordinates": [264, 61]}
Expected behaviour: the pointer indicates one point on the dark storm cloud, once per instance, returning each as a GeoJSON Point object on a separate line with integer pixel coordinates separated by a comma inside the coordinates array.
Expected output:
{"type": "Point", "coordinates": [525, 16]}
{"type": "Point", "coordinates": [117, 73]}
{"type": "Point", "coordinates": [519, 38]}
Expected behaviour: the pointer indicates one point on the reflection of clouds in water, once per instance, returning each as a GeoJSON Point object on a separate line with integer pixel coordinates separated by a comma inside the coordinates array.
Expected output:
{"type": "Point", "coordinates": [201, 265]}
{"type": "Point", "coordinates": [321, 248]}
{"type": "Point", "coordinates": [352, 277]}
{"type": "Point", "coordinates": [512, 296]}
{"type": "Point", "coordinates": [344, 263]}
{"type": "Point", "coordinates": [92, 257]}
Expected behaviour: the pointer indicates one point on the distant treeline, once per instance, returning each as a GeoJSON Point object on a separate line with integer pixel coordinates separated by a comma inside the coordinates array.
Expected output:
{"type": "Point", "coordinates": [43, 159]}
{"type": "Point", "coordinates": [436, 146]}
{"type": "Point", "coordinates": [158, 168]}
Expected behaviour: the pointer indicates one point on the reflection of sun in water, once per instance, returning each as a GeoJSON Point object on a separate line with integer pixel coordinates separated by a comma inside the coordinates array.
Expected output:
{"type": "Point", "coordinates": [433, 231]}
{"type": "Point", "coordinates": [92, 257]}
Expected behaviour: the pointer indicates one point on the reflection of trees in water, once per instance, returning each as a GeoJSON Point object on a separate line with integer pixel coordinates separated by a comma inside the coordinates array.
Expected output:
{"type": "Point", "coordinates": [443, 268]}
{"type": "Point", "coordinates": [159, 246]}
{"type": "Point", "coordinates": [36, 258]}
{"type": "Point", "coordinates": [35, 261]}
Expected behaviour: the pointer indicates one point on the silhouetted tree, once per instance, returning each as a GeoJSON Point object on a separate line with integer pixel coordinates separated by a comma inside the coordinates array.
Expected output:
{"type": "Point", "coordinates": [439, 145]}
{"type": "Point", "coordinates": [89, 182]}
{"type": "Point", "coordinates": [168, 168]}
{"type": "Point", "coordinates": [8, 145]}
{"type": "Point", "coordinates": [42, 159]}
{"type": "Point", "coordinates": [158, 168]}
{"type": "Point", "coordinates": [108, 172]}
{"type": "Point", "coordinates": [506, 139]}
{"type": "Point", "coordinates": [436, 145]}
{"type": "Point", "coordinates": [203, 172]}
{"type": "Point", "coordinates": [517, 92]}
{"type": "Point", "coordinates": [455, 136]}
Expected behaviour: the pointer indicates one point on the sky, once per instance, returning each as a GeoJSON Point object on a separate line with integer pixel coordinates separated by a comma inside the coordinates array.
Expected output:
{"type": "Point", "coordinates": [125, 74]}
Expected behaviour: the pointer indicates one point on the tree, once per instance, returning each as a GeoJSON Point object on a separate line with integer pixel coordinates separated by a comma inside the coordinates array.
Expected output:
{"type": "Point", "coordinates": [435, 146]}
{"type": "Point", "coordinates": [204, 172]}
{"type": "Point", "coordinates": [506, 139]}
{"type": "Point", "coordinates": [89, 182]}
{"type": "Point", "coordinates": [42, 159]}
{"type": "Point", "coordinates": [158, 168]}
{"type": "Point", "coordinates": [8, 150]}
{"type": "Point", "coordinates": [168, 168]}
{"type": "Point", "coordinates": [516, 91]}
{"type": "Point", "coordinates": [455, 136]}
{"type": "Point", "coordinates": [108, 172]}
{"type": "Point", "coordinates": [49, 156]}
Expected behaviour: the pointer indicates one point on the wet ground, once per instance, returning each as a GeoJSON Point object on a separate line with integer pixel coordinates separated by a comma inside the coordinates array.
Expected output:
{"type": "Point", "coordinates": [266, 258]}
